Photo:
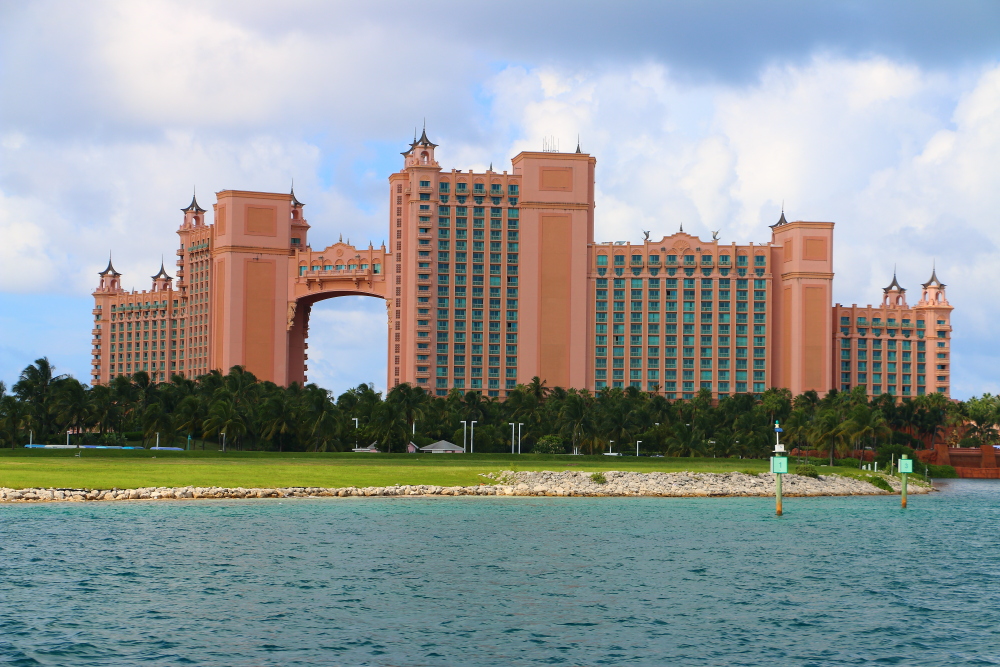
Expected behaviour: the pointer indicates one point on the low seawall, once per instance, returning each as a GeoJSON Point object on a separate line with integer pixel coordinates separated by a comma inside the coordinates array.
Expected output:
{"type": "Point", "coordinates": [508, 483]}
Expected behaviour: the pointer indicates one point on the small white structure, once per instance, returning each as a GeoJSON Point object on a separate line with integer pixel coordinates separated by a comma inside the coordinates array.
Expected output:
{"type": "Point", "coordinates": [412, 448]}
{"type": "Point", "coordinates": [443, 447]}
{"type": "Point", "coordinates": [370, 449]}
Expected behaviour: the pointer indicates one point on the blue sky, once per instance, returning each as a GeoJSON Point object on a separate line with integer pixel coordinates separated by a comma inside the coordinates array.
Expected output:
{"type": "Point", "coordinates": [882, 117]}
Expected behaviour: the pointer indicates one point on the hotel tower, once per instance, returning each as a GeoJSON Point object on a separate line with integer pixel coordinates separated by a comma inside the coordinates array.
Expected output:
{"type": "Point", "coordinates": [492, 278]}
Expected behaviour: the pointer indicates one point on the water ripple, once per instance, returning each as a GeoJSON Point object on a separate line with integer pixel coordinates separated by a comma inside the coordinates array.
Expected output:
{"type": "Point", "coordinates": [505, 581]}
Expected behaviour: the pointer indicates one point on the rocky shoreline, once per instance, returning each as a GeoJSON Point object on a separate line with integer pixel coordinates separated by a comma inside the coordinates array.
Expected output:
{"type": "Point", "coordinates": [510, 483]}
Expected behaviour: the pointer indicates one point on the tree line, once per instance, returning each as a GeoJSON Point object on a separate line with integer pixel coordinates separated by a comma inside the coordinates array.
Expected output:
{"type": "Point", "coordinates": [261, 415]}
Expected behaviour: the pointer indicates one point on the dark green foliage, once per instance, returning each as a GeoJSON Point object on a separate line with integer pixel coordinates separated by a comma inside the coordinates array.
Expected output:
{"type": "Point", "coordinates": [888, 453]}
{"type": "Point", "coordinates": [257, 415]}
{"type": "Point", "coordinates": [941, 472]}
{"type": "Point", "coordinates": [598, 478]}
{"type": "Point", "coordinates": [879, 483]}
{"type": "Point", "coordinates": [847, 463]}
{"type": "Point", "coordinates": [807, 471]}
{"type": "Point", "coordinates": [549, 444]}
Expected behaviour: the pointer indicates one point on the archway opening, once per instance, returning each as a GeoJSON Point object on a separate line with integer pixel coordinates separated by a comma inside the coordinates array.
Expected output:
{"type": "Point", "coordinates": [347, 343]}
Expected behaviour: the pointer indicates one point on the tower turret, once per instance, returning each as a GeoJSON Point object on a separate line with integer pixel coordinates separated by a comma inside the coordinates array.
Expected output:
{"type": "Point", "coordinates": [894, 296]}
{"type": "Point", "coordinates": [110, 279]}
{"type": "Point", "coordinates": [161, 281]}
{"type": "Point", "coordinates": [194, 215]}
{"type": "Point", "coordinates": [421, 152]}
{"type": "Point", "coordinates": [933, 291]}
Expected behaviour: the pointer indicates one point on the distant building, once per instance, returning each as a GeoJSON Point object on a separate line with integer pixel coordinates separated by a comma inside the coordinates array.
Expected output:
{"type": "Point", "coordinates": [491, 278]}
{"type": "Point", "coordinates": [442, 447]}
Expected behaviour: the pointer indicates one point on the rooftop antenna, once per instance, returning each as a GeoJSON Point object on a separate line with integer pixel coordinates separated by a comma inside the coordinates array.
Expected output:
{"type": "Point", "coordinates": [550, 144]}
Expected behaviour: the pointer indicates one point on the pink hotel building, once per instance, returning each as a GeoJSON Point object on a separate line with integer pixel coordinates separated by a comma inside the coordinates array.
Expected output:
{"type": "Point", "coordinates": [492, 278]}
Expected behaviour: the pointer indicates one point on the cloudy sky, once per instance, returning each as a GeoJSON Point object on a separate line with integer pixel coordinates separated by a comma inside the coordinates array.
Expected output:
{"type": "Point", "coordinates": [883, 117]}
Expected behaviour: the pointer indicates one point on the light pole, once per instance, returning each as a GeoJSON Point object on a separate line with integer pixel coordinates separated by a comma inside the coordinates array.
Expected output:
{"type": "Point", "coordinates": [223, 441]}
{"type": "Point", "coordinates": [511, 437]}
{"type": "Point", "coordinates": [519, 425]}
{"type": "Point", "coordinates": [472, 437]}
{"type": "Point", "coordinates": [637, 443]}
{"type": "Point", "coordinates": [465, 430]}
{"type": "Point", "coordinates": [355, 432]}
{"type": "Point", "coordinates": [712, 442]}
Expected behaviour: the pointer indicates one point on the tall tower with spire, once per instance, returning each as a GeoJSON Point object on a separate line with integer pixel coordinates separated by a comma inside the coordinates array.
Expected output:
{"type": "Point", "coordinates": [935, 311]}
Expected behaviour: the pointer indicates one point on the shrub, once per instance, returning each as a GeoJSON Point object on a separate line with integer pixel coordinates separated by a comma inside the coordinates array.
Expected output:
{"type": "Point", "coordinates": [807, 471]}
{"type": "Point", "coordinates": [750, 472]}
{"type": "Point", "coordinates": [133, 435]}
{"type": "Point", "coordinates": [549, 444]}
{"type": "Point", "coordinates": [886, 453]}
{"type": "Point", "coordinates": [847, 463]}
{"type": "Point", "coordinates": [942, 472]}
{"type": "Point", "coordinates": [598, 478]}
{"type": "Point", "coordinates": [879, 483]}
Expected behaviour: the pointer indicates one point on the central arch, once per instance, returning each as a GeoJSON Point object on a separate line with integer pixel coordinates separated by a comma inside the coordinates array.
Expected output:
{"type": "Point", "coordinates": [338, 270]}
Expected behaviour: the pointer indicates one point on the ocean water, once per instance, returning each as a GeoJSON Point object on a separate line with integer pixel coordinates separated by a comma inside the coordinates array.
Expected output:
{"type": "Point", "coordinates": [505, 581]}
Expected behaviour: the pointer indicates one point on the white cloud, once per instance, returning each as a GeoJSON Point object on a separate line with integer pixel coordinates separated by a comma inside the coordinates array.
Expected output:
{"type": "Point", "coordinates": [123, 106]}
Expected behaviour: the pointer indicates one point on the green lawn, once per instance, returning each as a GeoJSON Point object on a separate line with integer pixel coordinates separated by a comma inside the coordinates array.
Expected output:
{"type": "Point", "coordinates": [131, 469]}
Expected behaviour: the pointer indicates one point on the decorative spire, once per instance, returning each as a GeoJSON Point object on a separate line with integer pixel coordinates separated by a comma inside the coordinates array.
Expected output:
{"type": "Point", "coordinates": [682, 228]}
{"type": "Point", "coordinates": [295, 202]}
{"type": "Point", "coordinates": [110, 271]}
{"type": "Point", "coordinates": [578, 144]}
{"type": "Point", "coordinates": [934, 279]}
{"type": "Point", "coordinates": [894, 284]}
{"type": "Point", "coordinates": [162, 273]}
{"type": "Point", "coordinates": [491, 166]}
{"type": "Point", "coordinates": [193, 206]}
{"type": "Point", "coordinates": [423, 140]}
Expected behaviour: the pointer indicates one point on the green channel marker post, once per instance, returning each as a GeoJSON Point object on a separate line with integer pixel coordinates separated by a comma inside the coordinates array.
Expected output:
{"type": "Point", "coordinates": [905, 466]}
{"type": "Point", "coordinates": [779, 466]}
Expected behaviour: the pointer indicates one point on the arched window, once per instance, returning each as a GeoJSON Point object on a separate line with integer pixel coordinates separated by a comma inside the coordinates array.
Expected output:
{"type": "Point", "coordinates": [423, 157]}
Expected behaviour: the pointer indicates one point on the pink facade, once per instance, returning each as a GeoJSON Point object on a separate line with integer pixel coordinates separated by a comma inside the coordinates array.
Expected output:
{"type": "Point", "coordinates": [492, 278]}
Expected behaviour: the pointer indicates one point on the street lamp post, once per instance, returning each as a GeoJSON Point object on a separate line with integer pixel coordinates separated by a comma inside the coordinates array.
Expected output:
{"type": "Point", "coordinates": [223, 441]}
{"type": "Point", "coordinates": [465, 431]}
{"type": "Point", "coordinates": [511, 437]}
{"type": "Point", "coordinates": [637, 443]}
{"type": "Point", "coordinates": [472, 437]}
{"type": "Point", "coordinates": [355, 432]}
{"type": "Point", "coordinates": [519, 425]}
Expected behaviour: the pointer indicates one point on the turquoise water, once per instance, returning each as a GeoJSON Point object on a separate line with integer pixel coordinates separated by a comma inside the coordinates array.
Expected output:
{"type": "Point", "coordinates": [505, 581]}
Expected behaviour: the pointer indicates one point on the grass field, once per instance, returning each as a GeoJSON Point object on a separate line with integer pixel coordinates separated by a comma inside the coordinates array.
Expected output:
{"type": "Point", "coordinates": [103, 469]}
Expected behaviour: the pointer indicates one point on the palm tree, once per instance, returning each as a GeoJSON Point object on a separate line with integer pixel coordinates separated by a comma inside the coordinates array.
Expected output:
{"type": "Point", "coordinates": [35, 387]}
{"type": "Point", "coordinates": [685, 440]}
{"type": "Point", "coordinates": [189, 415]}
{"type": "Point", "coordinates": [157, 420]}
{"type": "Point", "coordinates": [388, 424]}
{"type": "Point", "coordinates": [829, 432]}
{"type": "Point", "coordinates": [864, 422]}
{"type": "Point", "coordinates": [576, 418]}
{"type": "Point", "coordinates": [280, 417]}
{"type": "Point", "coordinates": [224, 417]}
{"type": "Point", "coordinates": [72, 404]}
{"type": "Point", "coordinates": [14, 417]}
{"type": "Point", "coordinates": [411, 401]}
